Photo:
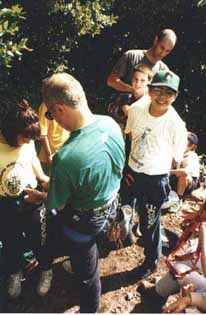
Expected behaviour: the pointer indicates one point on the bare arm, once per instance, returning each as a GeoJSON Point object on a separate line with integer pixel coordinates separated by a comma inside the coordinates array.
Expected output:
{"type": "Point", "coordinates": [45, 143]}
{"type": "Point", "coordinates": [116, 83]}
{"type": "Point", "coordinates": [179, 172]}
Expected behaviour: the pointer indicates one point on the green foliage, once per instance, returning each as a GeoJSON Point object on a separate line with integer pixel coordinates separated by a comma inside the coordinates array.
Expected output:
{"type": "Point", "coordinates": [88, 18]}
{"type": "Point", "coordinates": [11, 45]}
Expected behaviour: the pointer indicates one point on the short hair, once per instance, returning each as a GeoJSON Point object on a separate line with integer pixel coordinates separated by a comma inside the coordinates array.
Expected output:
{"type": "Point", "coordinates": [168, 33]}
{"type": "Point", "coordinates": [64, 89]}
{"type": "Point", "coordinates": [21, 120]}
{"type": "Point", "coordinates": [144, 69]}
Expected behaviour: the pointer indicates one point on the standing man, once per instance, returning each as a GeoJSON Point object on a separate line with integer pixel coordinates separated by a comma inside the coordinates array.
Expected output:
{"type": "Point", "coordinates": [158, 136]}
{"type": "Point", "coordinates": [85, 179]}
{"type": "Point", "coordinates": [121, 75]}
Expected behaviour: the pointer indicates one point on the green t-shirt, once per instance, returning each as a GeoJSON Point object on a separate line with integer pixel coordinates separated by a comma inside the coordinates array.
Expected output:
{"type": "Point", "coordinates": [87, 170]}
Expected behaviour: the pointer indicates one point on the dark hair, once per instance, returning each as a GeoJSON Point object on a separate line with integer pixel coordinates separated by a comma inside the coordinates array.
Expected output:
{"type": "Point", "coordinates": [21, 120]}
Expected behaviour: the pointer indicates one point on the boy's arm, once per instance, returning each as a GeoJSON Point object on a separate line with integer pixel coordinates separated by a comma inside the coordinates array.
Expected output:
{"type": "Point", "coordinates": [179, 172]}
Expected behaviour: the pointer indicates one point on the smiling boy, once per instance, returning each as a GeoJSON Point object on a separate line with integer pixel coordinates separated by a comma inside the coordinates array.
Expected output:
{"type": "Point", "coordinates": [158, 136]}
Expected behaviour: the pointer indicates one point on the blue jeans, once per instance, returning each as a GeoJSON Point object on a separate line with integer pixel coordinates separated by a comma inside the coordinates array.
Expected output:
{"type": "Point", "coordinates": [150, 192]}
{"type": "Point", "coordinates": [79, 231]}
{"type": "Point", "coordinates": [21, 227]}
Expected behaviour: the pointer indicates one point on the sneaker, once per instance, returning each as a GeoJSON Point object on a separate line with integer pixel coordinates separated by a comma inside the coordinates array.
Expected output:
{"type": "Point", "coordinates": [45, 282]}
{"type": "Point", "coordinates": [67, 266]}
{"type": "Point", "coordinates": [138, 233]}
{"type": "Point", "coordinates": [14, 284]}
{"type": "Point", "coordinates": [143, 271]}
{"type": "Point", "coordinates": [172, 199]}
{"type": "Point", "coordinates": [176, 206]}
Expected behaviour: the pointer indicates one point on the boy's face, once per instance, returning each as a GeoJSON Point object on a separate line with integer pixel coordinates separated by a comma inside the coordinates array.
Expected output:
{"type": "Point", "coordinates": [161, 98]}
{"type": "Point", "coordinates": [139, 84]}
{"type": "Point", "coordinates": [190, 146]}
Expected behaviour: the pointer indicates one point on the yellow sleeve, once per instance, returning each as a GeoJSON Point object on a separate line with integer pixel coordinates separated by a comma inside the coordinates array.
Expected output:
{"type": "Point", "coordinates": [43, 121]}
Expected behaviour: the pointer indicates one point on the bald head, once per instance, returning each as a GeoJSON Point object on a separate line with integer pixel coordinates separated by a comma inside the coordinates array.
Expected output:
{"type": "Point", "coordinates": [63, 88]}
{"type": "Point", "coordinates": [163, 44]}
{"type": "Point", "coordinates": [168, 34]}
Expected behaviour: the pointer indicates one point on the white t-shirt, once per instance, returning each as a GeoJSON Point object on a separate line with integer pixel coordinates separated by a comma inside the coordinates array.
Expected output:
{"type": "Point", "coordinates": [19, 167]}
{"type": "Point", "coordinates": [192, 164]}
{"type": "Point", "coordinates": [155, 140]}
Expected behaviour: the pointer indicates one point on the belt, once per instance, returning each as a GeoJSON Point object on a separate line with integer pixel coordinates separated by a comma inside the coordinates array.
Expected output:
{"type": "Point", "coordinates": [100, 208]}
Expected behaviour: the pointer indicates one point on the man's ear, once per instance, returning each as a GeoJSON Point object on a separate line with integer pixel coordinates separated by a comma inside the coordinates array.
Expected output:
{"type": "Point", "coordinates": [60, 108]}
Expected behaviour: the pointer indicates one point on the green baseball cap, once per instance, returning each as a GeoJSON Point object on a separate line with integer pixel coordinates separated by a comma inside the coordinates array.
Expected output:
{"type": "Point", "coordinates": [166, 78]}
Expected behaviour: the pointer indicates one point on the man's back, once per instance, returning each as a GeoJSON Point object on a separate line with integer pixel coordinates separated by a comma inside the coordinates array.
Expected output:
{"type": "Point", "coordinates": [90, 163]}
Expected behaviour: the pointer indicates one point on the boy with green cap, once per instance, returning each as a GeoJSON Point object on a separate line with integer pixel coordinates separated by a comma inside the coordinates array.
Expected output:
{"type": "Point", "coordinates": [158, 136]}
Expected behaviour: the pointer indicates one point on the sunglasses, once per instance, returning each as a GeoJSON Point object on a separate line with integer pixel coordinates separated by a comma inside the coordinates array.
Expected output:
{"type": "Point", "coordinates": [48, 115]}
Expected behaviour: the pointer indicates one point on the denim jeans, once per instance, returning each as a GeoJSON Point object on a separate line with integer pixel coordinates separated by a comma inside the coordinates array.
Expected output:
{"type": "Point", "coordinates": [80, 244]}
{"type": "Point", "coordinates": [150, 192]}
{"type": "Point", "coordinates": [20, 229]}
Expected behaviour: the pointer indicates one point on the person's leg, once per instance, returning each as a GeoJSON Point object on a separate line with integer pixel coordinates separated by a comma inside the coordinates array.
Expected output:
{"type": "Point", "coordinates": [152, 193]}
{"type": "Point", "coordinates": [38, 229]}
{"type": "Point", "coordinates": [84, 260]}
{"type": "Point", "coordinates": [11, 237]}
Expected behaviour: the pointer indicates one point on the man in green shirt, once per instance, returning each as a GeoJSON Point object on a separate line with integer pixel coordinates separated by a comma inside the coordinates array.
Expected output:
{"type": "Point", "coordinates": [85, 179]}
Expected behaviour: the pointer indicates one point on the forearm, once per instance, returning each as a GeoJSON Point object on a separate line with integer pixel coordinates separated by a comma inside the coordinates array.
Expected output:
{"type": "Point", "coordinates": [116, 83]}
{"type": "Point", "coordinates": [45, 143]}
{"type": "Point", "coordinates": [179, 172]}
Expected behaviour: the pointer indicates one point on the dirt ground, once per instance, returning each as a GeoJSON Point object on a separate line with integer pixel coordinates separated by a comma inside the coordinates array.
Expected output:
{"type": "Point", "coordinates": [118, 295]}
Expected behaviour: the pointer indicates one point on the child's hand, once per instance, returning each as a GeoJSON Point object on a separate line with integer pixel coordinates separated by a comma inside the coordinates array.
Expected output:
{"type": "Point", "coordinates": [177, 306]}
{"type": "Point", "coordinates": [34, 196]}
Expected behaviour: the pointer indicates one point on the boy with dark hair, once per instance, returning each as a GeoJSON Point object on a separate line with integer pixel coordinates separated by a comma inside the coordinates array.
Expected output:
{"type": "Point", "coordinates": [158, 136]}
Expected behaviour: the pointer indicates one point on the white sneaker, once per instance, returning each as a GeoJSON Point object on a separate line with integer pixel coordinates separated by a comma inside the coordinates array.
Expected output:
{"type": "Point", "coordinates": [172, 199]}
{"type": "Point", "coordinates": [14, 284]}
{"type": "Point", "coordinates": [67, 266]}
{"type": "Point", "coordinates": [45, 282]}
{"type": "Point", "coordinates": [138, 233]}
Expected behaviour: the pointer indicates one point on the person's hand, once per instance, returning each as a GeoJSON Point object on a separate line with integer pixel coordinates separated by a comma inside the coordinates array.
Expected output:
{"type": "Point", "coordinates": [125, 109]}
{"type": "Point", "coordinates": [49, 159]}
{"type": "Point", "coordinates": [178, 306]}
{"type": "Point", "coordinates": [34, 196]}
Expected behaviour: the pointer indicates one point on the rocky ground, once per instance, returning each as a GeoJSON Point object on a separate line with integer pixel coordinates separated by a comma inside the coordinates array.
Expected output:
{"type": "Point", "coordinates": [118, 294]}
